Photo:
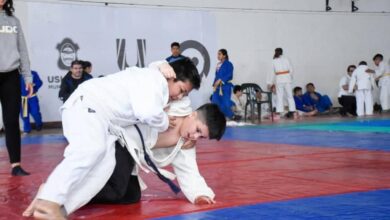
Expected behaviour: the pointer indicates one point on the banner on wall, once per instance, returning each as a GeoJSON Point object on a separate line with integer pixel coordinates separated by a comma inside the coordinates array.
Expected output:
{"type": "Point", "coordinates": [114, 38]}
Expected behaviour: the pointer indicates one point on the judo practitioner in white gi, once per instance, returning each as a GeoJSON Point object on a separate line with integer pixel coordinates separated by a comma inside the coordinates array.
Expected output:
{"type": "Point", "coordinates": [167, 148]}
{"type": "Point", "coordinates": [93, 119]}
{"type": "Point", "coordinates": [364, 83]}
{"type": "Point", "coordinates": [282, 77]}
{"type": "Point", "coordinates": [382, 75]}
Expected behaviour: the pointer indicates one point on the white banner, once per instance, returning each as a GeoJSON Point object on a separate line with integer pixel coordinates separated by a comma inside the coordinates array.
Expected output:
{"type": "Point", "coordinates": [113, 38]}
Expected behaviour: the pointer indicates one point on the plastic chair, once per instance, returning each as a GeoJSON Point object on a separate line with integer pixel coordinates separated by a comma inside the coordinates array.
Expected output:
{"type": "Point", "coordinates": [250, 89]}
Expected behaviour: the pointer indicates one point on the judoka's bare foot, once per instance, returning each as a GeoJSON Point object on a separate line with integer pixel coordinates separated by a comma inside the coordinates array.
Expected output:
{"type": "Point", "coordinates": [204, 200]}
{"type": "Point", "coordinates": [48, 210]}
{"type": "Point", "coordinates": [31, 208]}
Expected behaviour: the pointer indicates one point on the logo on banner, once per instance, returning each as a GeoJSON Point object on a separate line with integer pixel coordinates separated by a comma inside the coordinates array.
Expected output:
{"type": "Point", "coordinates": [202, 57]}
{"type": "Point", "coordinates": [121, 53]}
{"type": "Point", "coordinates": [205, 57]}
{"type": "Point", "coordinates": [67, 50]}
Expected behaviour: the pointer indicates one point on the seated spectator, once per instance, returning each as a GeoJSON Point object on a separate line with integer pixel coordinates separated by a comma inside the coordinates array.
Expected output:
{"type": "Point", "coordinates": [72, 80]}
{"type": "Point", "coordinates": [87, 67]}
{"type": "Point", "coordinates": [304, 108]}
{"type": "Point", "coordinates": [347, 100]}
{"type": "Point", "coordinates": [313, 98]}
{"type": "Point", "coordinates": [239, 103]}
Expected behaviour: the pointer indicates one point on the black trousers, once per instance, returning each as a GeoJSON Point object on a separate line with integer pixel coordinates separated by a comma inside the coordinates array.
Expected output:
{"type": "Point", "coordinates": [122, 187]}
{"type": "Point", "coordinates": [10, 98]}
{"type": "Point", "coordinates": [348, 104]}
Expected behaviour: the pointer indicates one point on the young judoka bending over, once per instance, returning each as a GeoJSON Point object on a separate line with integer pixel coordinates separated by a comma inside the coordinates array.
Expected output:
{"type": "Point", "coordinates": [124, 187]}
{"type": "Point", "coordinates": [94, 118]}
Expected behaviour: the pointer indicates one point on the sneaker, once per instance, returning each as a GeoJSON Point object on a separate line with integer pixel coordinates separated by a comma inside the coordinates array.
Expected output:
{"type": "Point", "coordinates": [18, 171]}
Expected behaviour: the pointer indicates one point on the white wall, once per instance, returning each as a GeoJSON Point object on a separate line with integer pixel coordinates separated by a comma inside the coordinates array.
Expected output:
{"type": "Point", "coordinates": [319, 44]}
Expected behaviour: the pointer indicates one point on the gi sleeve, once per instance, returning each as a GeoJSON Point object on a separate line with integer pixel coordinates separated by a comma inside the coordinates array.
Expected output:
{"type": "Point", "coordinates": [149, 101]}
{"type": "Point", "coordinates": [156, 64]}
{"type": "Point", "coordinates": [226, 72]}
{"type": "Point", "coordinates": [352, 83]}
{"type": "Point", "coordinates": [191, 182]}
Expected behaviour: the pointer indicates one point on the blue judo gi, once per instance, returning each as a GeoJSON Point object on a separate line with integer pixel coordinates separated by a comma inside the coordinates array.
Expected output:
{"type": "Point", "coordinates": [302, 105]}
{"type": "Point", "coordinates": [322, 104]}
{"type": "Point", "coordinates": [222, 95]}
{"type": "Point", "coordinates": [31, 105]}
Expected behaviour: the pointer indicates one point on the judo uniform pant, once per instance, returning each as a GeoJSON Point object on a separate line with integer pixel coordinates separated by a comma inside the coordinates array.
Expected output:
{"type": "Point", "coordinates": [284, 91]}
{"type": "Point", "coordinates": [122, 187]}
{"type": "Point", "coordinates": [33, 109]}
{"type": "Point", "coordinates": [348, 103]}
{"type": "Point", "coordinates": [384, 96]}
{"type": "Point", "coordinates": [89, 159]}
{"type": "Point", "coordinates": [10, 98]}
{"type": "Point", "coordinates": [364, 102]}
{"type": "Point", "coordinates": [224, 101]}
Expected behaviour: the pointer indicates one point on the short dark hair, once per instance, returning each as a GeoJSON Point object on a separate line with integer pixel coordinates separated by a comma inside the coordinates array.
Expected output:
{"type": "Point", "coordinates": [186, 71]}
{"type": "Point", "coordinates": [86, 64]}
{"type": "Point", "coordinates": [237, 88]}
{"type": "Point", "coordinates": [363, 63]}
{"type": "Point", "coordinates": [350, 67]}
{"type": "Point", "coordinates": [310, 84]}
{"type": "Point", "coordinates": [296, 89]}
{"type": "Point", "coordinates": [215, 120]}
{"type": "Point", "coordinates": [76, 62]}
{"type": "Point", "coordinates": [378, 55]}
{"type": "Point", "coordinates": [175, 44]}
{"type": "Point", "coordinates": [9, 7]}
{"type": "Point", "coordinates": [278, 52]}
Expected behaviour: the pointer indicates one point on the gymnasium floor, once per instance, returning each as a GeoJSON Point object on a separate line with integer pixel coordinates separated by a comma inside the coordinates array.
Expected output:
{"type": "Point", "coordinates": [329, 168]}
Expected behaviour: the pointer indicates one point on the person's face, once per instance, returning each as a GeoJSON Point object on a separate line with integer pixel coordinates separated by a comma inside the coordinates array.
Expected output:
{"type": "Point", "coordinates": [310, 88]}
{"type": "Point", "coordinates": [377, 61]}
{"type": "Point", "coordinates": [298, 93]}
{"type": "Point", "coordinates": [350, 71]}
{"type": "Point", "coordinates": [192, 128]}
{"type": "Point", "coordinates": [88, 69]}
{"type": "Point", "coordinates": [175, 51]}
{"type": "Point", "coordinates": [76, 70]}
{"type": "Point", "coordinates": [220, 56]}
{"type": "Point", "coordinates": [178, 89]}
{"type": "Point", "coordinates": [239, 93]}
{"type": "Point", "coordinates": [2, 3]}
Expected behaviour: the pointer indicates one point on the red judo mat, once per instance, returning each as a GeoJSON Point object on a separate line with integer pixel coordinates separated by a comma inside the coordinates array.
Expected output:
{"type": "Point", "coordinates": [239, 172]}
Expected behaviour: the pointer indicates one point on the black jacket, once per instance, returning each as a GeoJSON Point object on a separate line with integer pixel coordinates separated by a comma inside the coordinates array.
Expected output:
{"type": "Point", "coordinates": [68, 85]}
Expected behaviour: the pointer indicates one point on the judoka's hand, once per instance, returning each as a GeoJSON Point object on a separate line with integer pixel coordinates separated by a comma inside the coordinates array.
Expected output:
{"type": "Point", "coordinates": [204, 200]}
{"type": "Point", "coordinates": [48, 210]}
{"type": "Point", "coordinates": [30, 89]}
{"type": "Point", "coordinates": [217, 83]}
{"type": "Point", "coordinates": [172, 121]}
{"type": "Point", "coordinates": [167, 70]}
{"type": "Point", "coordinates": [370, 71]}
{"type": "Point", "coordinates": [189, 144]}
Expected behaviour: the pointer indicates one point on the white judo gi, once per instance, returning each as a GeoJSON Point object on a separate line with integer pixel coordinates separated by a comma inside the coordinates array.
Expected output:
{"type": "Point", "coordinates": [183, 161]}
{"type": "Point", "coordinates": [382, 73]}
{"type": "Point", "coordinates": [365, 83]}
{"type": "Point", "coordinates": [282, 77]}
{"type": "Point", "coordinates": [93, 118]}
{"type": "Point", "coordinates": [239, 104]}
